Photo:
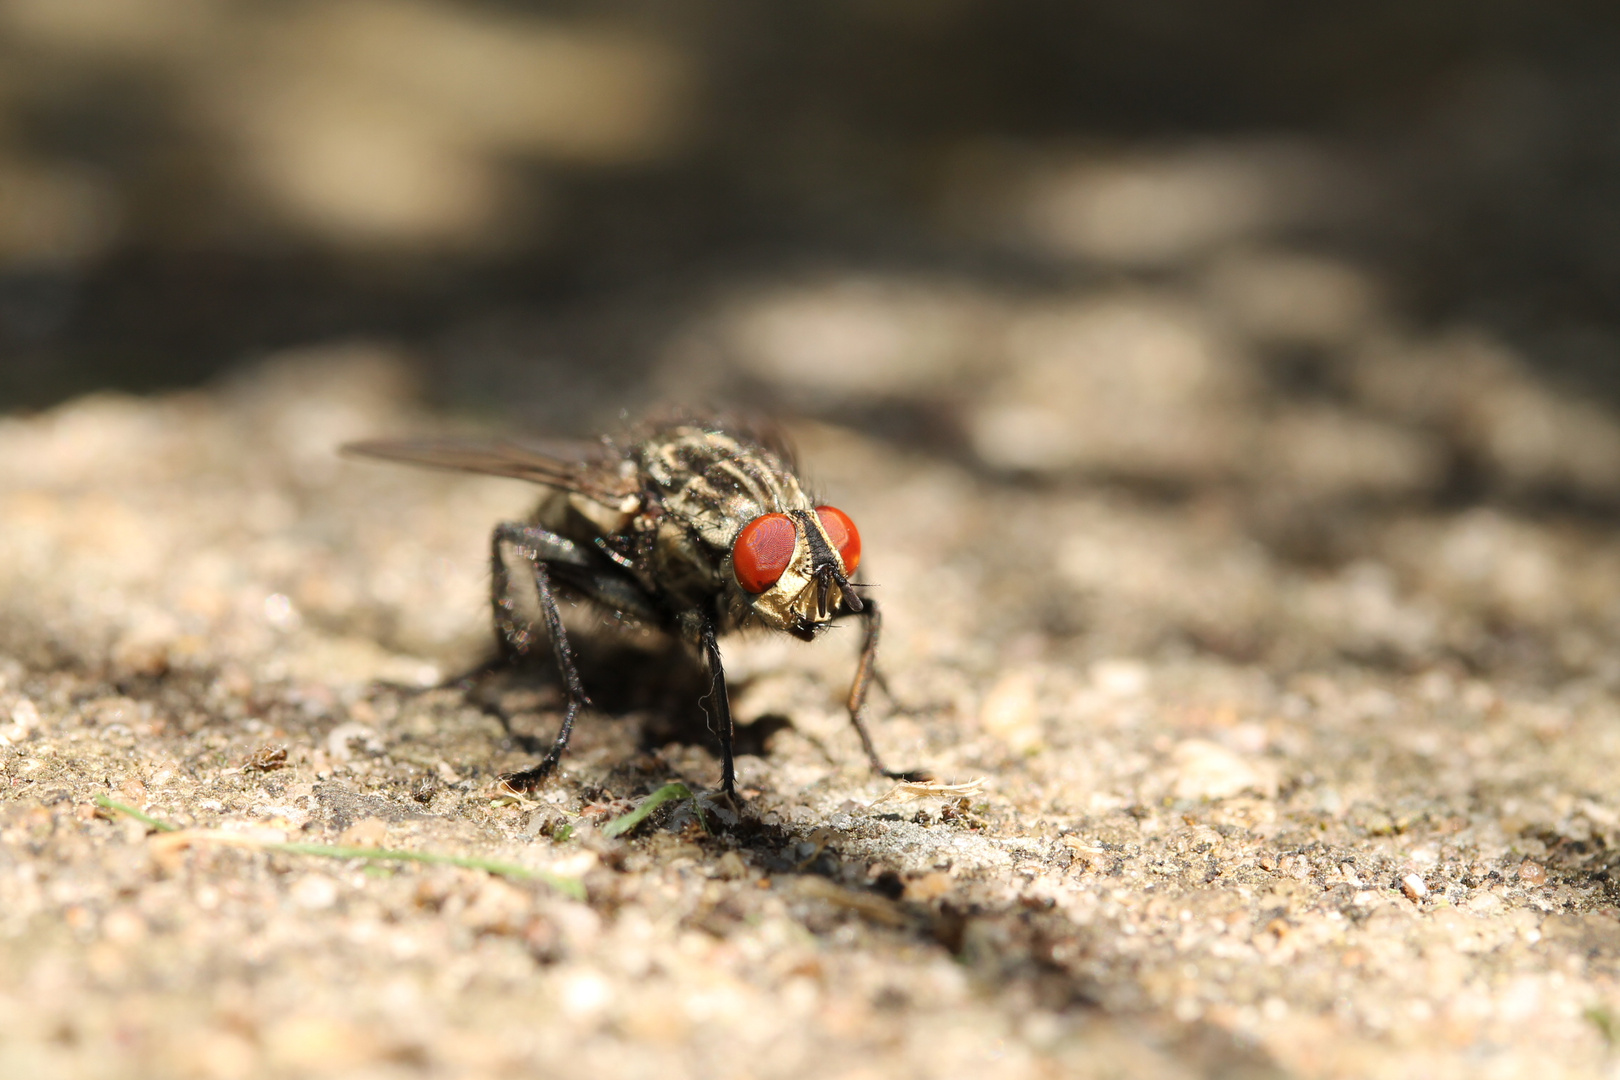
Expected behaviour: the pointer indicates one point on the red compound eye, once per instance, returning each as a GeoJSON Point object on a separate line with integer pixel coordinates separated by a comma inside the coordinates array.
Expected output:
{"type": "Point", "coordinates": [841, 531]}
{"type": "Point", "coordinates": [763, 550]}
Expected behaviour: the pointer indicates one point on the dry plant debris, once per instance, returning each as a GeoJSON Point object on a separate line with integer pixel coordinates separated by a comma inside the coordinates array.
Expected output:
{"type": "Point", "coordinates": [910, 791]}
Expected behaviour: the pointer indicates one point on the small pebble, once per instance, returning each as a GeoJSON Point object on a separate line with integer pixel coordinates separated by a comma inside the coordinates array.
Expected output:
{"type": "Point", "coordinates": [1011, 712]}
{"type": "Point", "coordinates": [585, 994]}
{"type": "Point", "coordinates": [931, 886]}
{"type": "Point", "coordinates": [370, 832]}
{"type": "Point", "coordinates": [314, 892]}
{"type": "Point", "coordinates": [317, 1042]}
{"type": "Point", "coordinates": [1207, 770]}
{"type": "Point", "coordinates": [1532, 873]}
{"type": "Point", "coordinates": [124, 926]}
{"type": "Point", "coordinates": [1414, 888]}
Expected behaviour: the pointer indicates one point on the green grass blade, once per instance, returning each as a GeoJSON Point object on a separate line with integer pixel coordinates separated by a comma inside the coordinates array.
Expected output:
{"type": "Point", "coordinates": [130, 811]}
{"type": "Point", "coordinates": [569, 887]}
{"type": "Point", "coordinates": [624, 823]}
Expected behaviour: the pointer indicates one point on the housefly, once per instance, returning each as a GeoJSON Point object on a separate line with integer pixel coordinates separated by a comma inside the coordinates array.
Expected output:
{"type": "Point", "coordinates": [695, 525]}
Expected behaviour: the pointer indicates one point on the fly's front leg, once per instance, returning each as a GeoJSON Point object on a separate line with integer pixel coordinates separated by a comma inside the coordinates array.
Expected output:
{"type": "Point", "coordinates": [708, 641]}
{"type": "Point", "coordinates": [865, 674]}
{"type": "Point", "coordinates": [539, 548]}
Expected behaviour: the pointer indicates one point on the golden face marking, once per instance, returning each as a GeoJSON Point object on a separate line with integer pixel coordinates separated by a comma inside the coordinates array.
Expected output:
{"type": "Point", "coordinates": [814, 585]}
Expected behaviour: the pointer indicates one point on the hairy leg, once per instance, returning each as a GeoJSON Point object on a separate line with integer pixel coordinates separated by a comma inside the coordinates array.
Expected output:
{"type": "Point", "coordinates": [540, 549]}
{"type": "Point", "coordinates": [707, 641]}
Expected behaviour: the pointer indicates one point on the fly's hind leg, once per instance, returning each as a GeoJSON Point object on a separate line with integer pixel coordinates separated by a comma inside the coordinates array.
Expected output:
{"type": "Point", "coordinates": [543, 551]}
{"type": "Point", "coordinates": [865, 674]}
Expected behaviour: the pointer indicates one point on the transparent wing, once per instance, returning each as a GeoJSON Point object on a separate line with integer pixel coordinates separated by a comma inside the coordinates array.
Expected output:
{"type": "Point", "coordinates": [597, 469]}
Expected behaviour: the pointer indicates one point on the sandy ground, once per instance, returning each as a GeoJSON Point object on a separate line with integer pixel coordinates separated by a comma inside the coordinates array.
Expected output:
{"type": "Point", "coordinates": [1291, 766]}
{"type": "Point", "coordinates": [1228, 397]}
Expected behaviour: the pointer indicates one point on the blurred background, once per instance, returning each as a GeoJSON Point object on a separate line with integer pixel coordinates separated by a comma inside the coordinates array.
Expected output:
{"type": "Point", "coordinates": [1322, 261]}
{"type": "Point", "coordinates": [858, 200]}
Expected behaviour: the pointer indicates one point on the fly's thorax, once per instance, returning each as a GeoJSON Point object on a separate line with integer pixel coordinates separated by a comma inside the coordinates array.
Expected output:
{"type": "Point", "coordinates": [812, 589]}
{"type": "Point", "coordinates": [714, 483]}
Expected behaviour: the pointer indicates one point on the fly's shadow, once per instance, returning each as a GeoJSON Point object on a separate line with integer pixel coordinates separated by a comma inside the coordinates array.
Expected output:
{"type": "Point", "coordinates": [637, 676]}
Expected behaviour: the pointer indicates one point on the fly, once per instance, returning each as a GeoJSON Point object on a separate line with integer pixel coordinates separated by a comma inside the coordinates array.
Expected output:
{"type": "Point", "coordinates": [698, 526]}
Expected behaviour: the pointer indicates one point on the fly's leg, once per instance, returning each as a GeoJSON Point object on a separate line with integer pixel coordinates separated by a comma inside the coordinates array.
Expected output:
{"type": "Point", "coordinates": [512, 637]}
{"type": "Point", "coordinates": [539, 548]}
{"type": "Point", "coordinates": [709, 643]}
{"type": "Point", "coordinates": [865, 674]}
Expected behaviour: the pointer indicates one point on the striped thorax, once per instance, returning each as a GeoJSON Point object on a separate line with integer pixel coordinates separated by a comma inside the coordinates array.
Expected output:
{"type": "Point", "coordinates": [715, 491]}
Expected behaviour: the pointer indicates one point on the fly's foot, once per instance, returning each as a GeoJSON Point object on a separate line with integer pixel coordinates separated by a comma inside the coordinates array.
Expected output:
{"type": "Point", "coordinates": [725, 805]}
{"type": "Point", "coordinates": [529, 779]}
{"type": "Point", "coordinates": [910, 776]}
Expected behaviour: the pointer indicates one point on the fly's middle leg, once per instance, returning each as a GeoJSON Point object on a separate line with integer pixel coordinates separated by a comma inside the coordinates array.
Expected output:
{"type": "Point", "coordinates": [540, 549]}
{"type": "Point", "coordinates": [708, 641]}
{"type": "Point", "coordinates": [865, 674]}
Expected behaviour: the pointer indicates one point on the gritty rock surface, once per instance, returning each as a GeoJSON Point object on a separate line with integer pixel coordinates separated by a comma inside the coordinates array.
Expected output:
{"type": "Point", "coordinates": [1261, 796]}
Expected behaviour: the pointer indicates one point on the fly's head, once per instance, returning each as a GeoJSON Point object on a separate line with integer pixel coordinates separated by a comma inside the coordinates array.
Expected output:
{"type": "Point", "coordinates": [795, 568]}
